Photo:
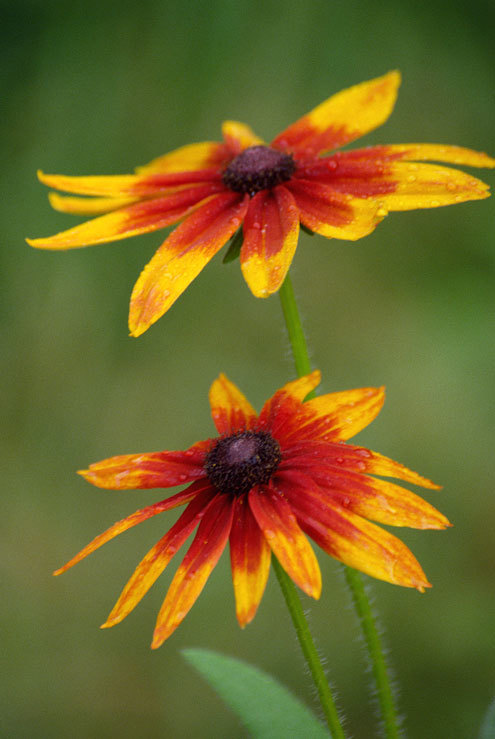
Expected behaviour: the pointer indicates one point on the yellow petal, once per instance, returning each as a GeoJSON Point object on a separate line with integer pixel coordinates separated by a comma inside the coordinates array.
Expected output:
{"type": "Point", "coordinates": [181, 258]}
{"type": "Point", "coordinates": [239, 136]}
{"type": "Point", "coordinates": [271, 233]}
{"type": "Point", "coordinates": [290, 546]}
{"type": "Point", "coordinates": [250, 558]}
{"type": "Point", "coordinates": [429, 186]}
{"type": "Point", "coordinates": [440, 153]}
{"type": "Point", "coordinates": [343, 117]}
{"type": "Point", "coordinates": [230, 409]}
{"type": "Point", "coordinates": [86, 206]}
{"type": "Point", "coordinates": [187, 158]}
{"type": "Point", "coordinates": [335, 214]}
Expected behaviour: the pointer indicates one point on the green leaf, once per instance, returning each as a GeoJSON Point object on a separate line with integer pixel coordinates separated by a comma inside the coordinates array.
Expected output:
{"type": "Point", "coordinates": [234, 247]}
{"type": "Point", "coordinates": [487, 730]}
{"type": "Point", "coordinates": [266, 708]}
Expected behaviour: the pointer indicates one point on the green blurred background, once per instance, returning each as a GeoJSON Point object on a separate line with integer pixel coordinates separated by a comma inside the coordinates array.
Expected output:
{"type": "Point", "coordinates": [100, 87]}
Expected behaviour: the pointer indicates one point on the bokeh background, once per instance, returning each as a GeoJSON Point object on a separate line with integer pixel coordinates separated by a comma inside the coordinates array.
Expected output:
{"type": "Point", "coordinates": [100, 87]}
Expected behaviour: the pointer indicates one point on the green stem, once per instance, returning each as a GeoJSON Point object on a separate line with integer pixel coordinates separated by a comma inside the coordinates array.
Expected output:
{"type": "Point", "coordinates": [375, 651]}
{"type": "Point", "coordinates": [354, 579]}
{"type": "Point", "coordinates": [309, 650]}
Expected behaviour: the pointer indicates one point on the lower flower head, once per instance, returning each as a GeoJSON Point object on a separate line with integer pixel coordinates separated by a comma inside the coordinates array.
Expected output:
{"type": "Point", "coordinates": [266, 484]}
{"type": "Point", "coordinates": [215, 188]}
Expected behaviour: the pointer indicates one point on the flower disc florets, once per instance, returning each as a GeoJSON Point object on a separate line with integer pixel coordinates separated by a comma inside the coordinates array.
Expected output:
{"type": "Point", "coordinates": [258, 168]}
{"type": "Point", "coordinates": [236, 463]}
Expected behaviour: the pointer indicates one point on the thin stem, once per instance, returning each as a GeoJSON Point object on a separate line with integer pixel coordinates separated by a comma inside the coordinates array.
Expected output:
{"type": "Point", "coordinates": [375, 651]}
{"type": "Point", "coordinates": [309, 650]}
{"type": "Point", "coordinates": [360, 599]}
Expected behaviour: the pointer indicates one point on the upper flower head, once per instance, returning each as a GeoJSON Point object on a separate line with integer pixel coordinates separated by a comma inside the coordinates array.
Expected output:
{"type": "Point", "coordinates": [263, 484]}
{"type": "Point", "coordinates": [213, 188]}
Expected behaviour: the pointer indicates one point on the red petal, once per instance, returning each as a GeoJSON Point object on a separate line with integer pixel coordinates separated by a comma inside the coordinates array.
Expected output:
{"type": "Point", "coordinates": [138, 517]}
{"type": "Point", "coordinates": [250, 561]}
{"type": "Point", "coordinates": [154, 563]}
{"type": "Point", "coordinates": [148, 470]}
{"type": "Point", "coordinates": [271, 232]}
{"type": "Point", "coordinates": [200, 560]}
{"type": "Point", "coordinates": [182, 257]}
{"type": "Point", "coordinates": [292, 549]}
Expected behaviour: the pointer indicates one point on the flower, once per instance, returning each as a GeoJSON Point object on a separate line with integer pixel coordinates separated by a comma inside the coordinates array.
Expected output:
{"type": "Point", "coordinates": [213, 188]}
{"type": "Point", "coordinates": [262, 484]}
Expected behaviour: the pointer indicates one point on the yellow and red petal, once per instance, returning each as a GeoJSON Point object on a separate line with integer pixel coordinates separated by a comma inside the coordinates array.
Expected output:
{"type": "Point", "coordinates": [357, 542]}
{"type": "Point", "coordinates": [271, 232]}
{"type": "Point", "coordinates": [200, 560]}
{"type": "Point", "coordinates": [148, 470]}
{"type": "Point", "coordinates": [280, 409]}
{"type": "Point", "coordinates": [182, 256]}
{"type": "Point", "coordinates": [306, 454]}
{"type": "Point", "coordinates": [139, 218]}
{"type": "Point", "coordinates": [250, 558]}
{"type": "Point", "coordinates": [87, 206]}
{"type": "Point", "coordinates": [204, 155]}
{"type": "Point", "coordinates": [429, 186]}
{"type": "Point", "coordinates": [336, 416]}
{"type": "Point", "coordinates": [154, 563]}
{"type": "Point", "coordinates": [128, 184]}
{"type": "Point", "coordinates": [238, 136]}
{"type": "Point", "coordinates": [421, 152]}
{"type": "Point", "coordinates": [138, 517]}
{"type": "Point", "coordinates": [334, 214]}
{"type": "Point", "coordinates": [278, 523]}
{"type": "Point", "coordinates": [342, 118]}
{"type": "Point", "coordinates": [230, 409]}
{"type": "Point", "coordinates": [378, 500]}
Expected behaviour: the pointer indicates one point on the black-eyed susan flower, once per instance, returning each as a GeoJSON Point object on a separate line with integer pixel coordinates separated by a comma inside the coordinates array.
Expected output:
{"type": "Point", "coordinates": [213, 188]}
{"type": "Point", "coordinates": [265, 484]}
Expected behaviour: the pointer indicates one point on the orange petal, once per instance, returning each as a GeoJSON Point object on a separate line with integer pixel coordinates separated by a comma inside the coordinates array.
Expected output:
{"type": "Point", "coordinates": [238, 136]}
{"type": "Point", "coordinates": [378, 500]}
{"type": "Point", "coordinates": [205, 155]}
{"type": "Point", "coordinates": [282, 406]}
{"type": "Point", "coordinates": [377, 464]}
{"type": "Point", "coordinates": [342, 118]}
{"type": "Point", "coordinates": [129, 184]}
{"type": "Point", "coordinates": [342, 458]}
{"type": "Point", "coordinates": [275, 518]}
{"type": "Point", "coordinates": [138, 517]}
{"type": "Point", "coordinates": [87, 206]}
{"type": "Point", "coordinates": [142, 217]}
{"type": "Point", "coordinates": [182, 256]}
{"type": "Point", "coordinates": [250, 561]}
{"type": "Point", "coordinates": [336, 416]}
{"type": "Point", "coordinates": [230, 409]}
{"type": "Point", "coordinates": [334, 214]}
{"type": "Point", "coordinates": [196, 567]}
{"type": "Point", "coordinates": [419, 152]}
{"type": "Point", "coordinates": [358, 543]}
{"type": "Point", "coordinates": [149, 470]}
{"type": "Point", "coordinates": [154, 563]}
{"type": "Point", "coordinates": [271, 232]}
{"type": "Point", "coordinates": [429, 186]}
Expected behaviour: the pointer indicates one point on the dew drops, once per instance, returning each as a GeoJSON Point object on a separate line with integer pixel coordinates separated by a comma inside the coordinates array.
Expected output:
{"type": "Point", "coordinates": [411, 178]}
{"type": "Point", "coordinates": [182, 477]}
{"type": "Point", "coordinates": [451, 186]}
{"type": "Point", "coordinates": [434, 203]}
{"type": "Point", "coordinates": [361, 465]}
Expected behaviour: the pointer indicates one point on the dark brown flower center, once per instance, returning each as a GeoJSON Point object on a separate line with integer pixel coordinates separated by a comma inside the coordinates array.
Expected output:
{"type": "Point", "coordinates": [236, 463]}
{"type": "Point", "coordinates": [258, 168]}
